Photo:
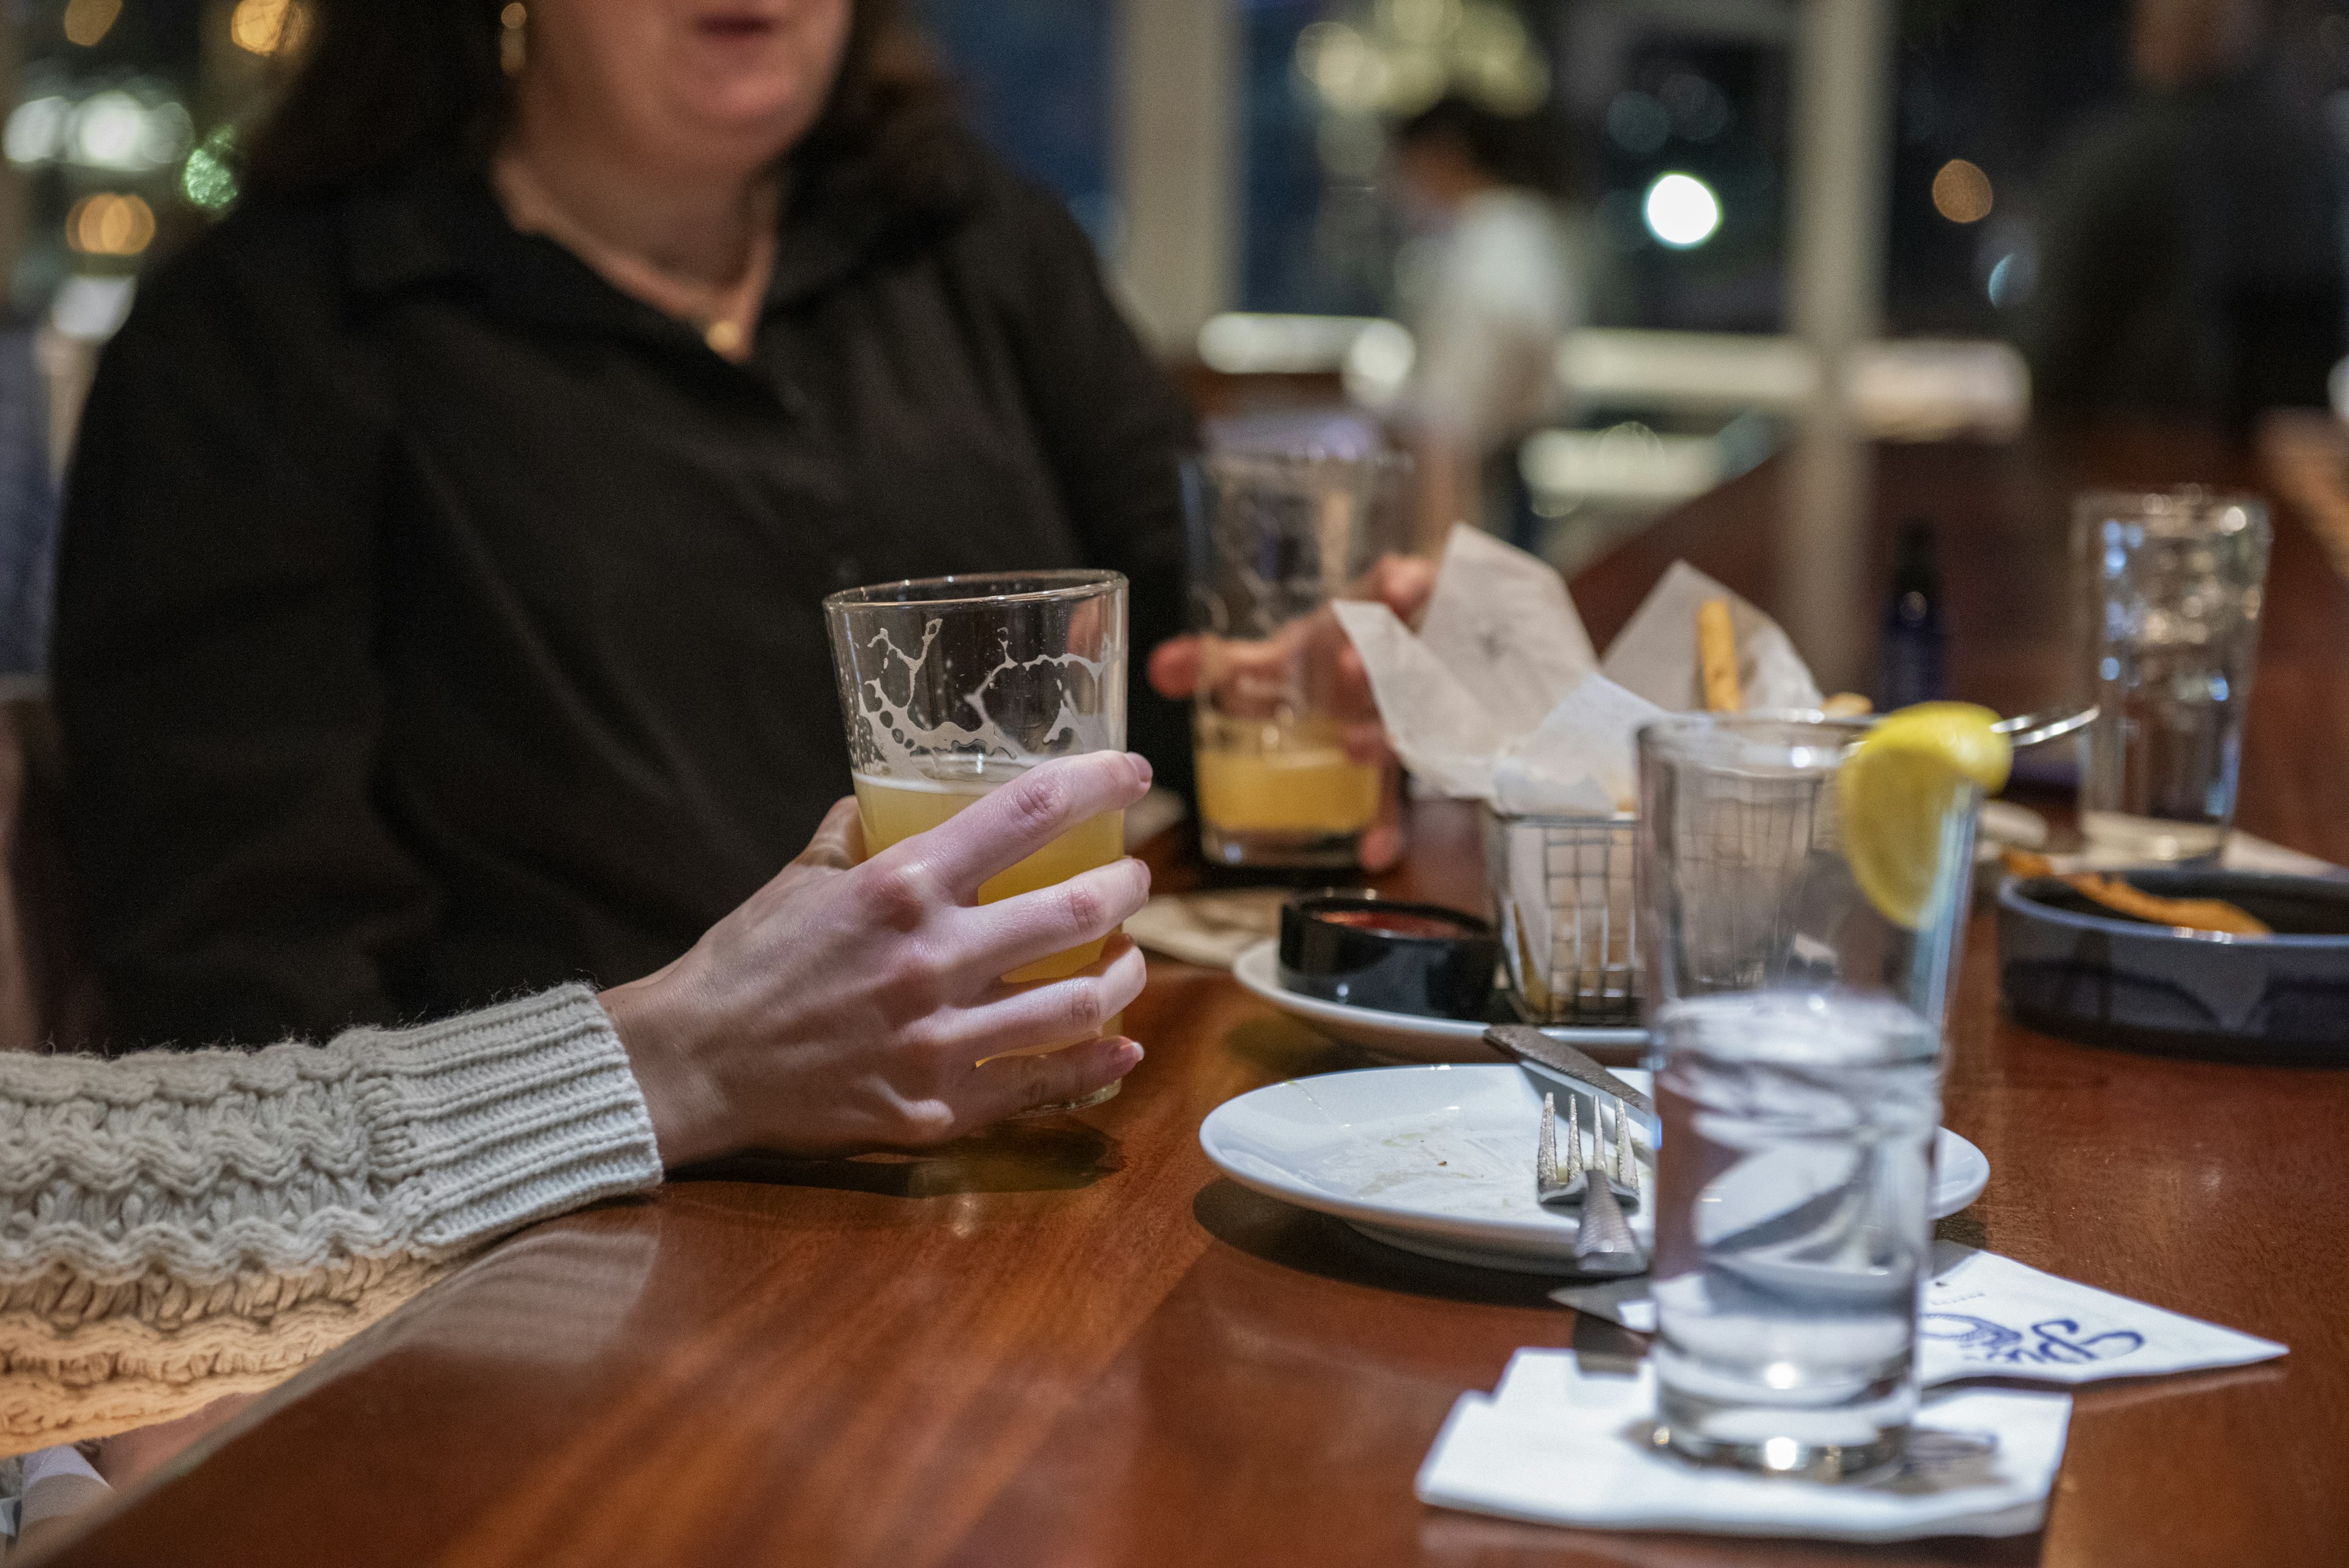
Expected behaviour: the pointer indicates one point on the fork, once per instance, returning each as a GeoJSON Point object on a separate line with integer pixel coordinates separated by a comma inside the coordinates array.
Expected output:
{"type": "Point", "coordinates": [1603, 1242]}
{"type": "Point", "coordinates": [1621, 1170]}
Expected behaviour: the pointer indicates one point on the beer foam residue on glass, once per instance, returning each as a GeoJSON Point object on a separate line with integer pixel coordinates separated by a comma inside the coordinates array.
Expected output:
{"type": "Point", "coordinates": [973, 742]}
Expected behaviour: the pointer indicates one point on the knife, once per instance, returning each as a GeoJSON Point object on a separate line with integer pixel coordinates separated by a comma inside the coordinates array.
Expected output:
{"type": "Point", "coordinates": [1520, 1043]}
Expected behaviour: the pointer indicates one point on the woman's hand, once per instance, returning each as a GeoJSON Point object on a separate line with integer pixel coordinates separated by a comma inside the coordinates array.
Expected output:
{"type": "Point", "coordinates": [854, 1005]}
{"type": "Point", "coordinates": [1314, 654]}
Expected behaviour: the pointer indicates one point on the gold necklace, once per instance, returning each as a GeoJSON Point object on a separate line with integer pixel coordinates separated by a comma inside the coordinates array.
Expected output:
{"type": "Point", "coordinates": [724, 313]}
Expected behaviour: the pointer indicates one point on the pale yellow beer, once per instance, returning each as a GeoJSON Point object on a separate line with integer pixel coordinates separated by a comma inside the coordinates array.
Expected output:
{"type": "Point", "coordinates": [899, 808]}
{"type": "Point", "coordinates": [944, 681]}
{"type": "Point", "coordinates": [1295, 778]}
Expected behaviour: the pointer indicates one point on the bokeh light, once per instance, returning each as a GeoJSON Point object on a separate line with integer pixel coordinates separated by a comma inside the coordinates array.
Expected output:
{"type": "Point", "coordinates": [2013, 278]}
{"type": "Point", "coordinates": [118, 130]}
{"type": "Point", "coordinates": [1420, 21]}
{"type": "Point", "coordinates": [266, 26]}
{"type": "Point", "coordinates": [1962, 193]}
{"type": "Point", "coordinates": [1681, 211]}
{"type": "Point", "coordinates": [88, 21]}
{"type": "Point", "coordinates": [209, 177]}
{"type": "Point", "coordinates": [109, 131]}
{"type": "Point", "coordinates": [36, 130]}
{"type": "Point", "coordinates": [111, 224]}
{"type": "Point", "coordinates": [1397, 57]}
{"type": "Point", "coordinates": [1699, 110]}
{"type": "Point", "coordinates": [1638, 123]}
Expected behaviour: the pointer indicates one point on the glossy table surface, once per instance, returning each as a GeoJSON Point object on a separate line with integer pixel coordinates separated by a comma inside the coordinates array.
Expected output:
{"type": "Point", "coordinates": [1070, 1342]}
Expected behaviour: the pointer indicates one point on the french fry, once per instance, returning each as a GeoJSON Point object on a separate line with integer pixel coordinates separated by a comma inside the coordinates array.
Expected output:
{"type": "Point", "coordinates": [2113, 894]}
{"type": "Point", "coordinates": [1716, 652]}
{"type": "Point", "coordinates": [2187, 914]}
{"type": "Point", "coordinates": [2025, 863]}
{"type": "Point", "coordinates": [1846, 705]}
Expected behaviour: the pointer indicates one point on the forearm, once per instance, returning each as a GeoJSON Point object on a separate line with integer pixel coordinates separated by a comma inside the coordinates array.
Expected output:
{"type": "Point", "coordinates": [182, 1219]}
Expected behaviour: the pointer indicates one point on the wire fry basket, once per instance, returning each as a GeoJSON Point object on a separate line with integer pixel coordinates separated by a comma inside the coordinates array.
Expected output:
{"type": "Point", "coordinates": [1562, 892]}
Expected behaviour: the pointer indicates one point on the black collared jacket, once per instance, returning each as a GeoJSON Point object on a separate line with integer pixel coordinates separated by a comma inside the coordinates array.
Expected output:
{"type": "Point", "coordinates": [436, 621]}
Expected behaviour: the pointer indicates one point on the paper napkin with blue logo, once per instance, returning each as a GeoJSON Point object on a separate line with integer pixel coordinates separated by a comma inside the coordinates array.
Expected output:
{"type": "Point", "coordinates": [1556, 1446]}
{"type": "Point", "coordinates": [1988, 1316]}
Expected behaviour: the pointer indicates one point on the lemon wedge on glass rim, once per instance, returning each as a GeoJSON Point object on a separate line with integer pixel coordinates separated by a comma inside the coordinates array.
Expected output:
{"type": "Point", "coordinates": [1896, 790]}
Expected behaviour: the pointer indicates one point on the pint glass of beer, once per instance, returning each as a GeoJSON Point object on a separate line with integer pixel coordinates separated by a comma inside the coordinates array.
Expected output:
{"type": "Point", "coordinates": [1274, 538]}
{"type": "Point", "coordinates": [952, 686]}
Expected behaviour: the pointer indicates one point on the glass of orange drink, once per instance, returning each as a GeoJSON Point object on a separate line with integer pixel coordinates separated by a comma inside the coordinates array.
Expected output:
{"type": "Point", "coordinates": [1276, 537]}
{"type": "Point", "coordinates": [951, 686]}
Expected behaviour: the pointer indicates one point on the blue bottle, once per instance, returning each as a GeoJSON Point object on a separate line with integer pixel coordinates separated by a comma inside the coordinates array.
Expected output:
{"type": "Point", "coordinates": [1915, 657]}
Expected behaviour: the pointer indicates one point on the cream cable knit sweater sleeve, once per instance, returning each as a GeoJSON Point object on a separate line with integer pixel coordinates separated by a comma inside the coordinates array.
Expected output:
{"type": "Point", "coordinates": [177, 1226]}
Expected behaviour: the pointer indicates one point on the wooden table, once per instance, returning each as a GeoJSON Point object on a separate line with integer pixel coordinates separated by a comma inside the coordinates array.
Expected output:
{"type": "Point", "coordinates": [1072, 1343]}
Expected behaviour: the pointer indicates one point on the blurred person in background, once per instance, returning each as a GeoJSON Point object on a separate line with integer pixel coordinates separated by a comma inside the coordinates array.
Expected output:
{"type": "Point", "coordinates": [440, 601]}
{"type": "Point", "coordinates": [2190, 262]}
{"type": "Point", "coordinates": [1488, 289]}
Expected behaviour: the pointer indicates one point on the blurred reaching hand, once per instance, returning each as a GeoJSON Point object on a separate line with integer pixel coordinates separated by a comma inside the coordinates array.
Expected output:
{"type": "Point", "coordinates": [854, 1005]}
{"type": "Point", "coordinates": [1253, 678]}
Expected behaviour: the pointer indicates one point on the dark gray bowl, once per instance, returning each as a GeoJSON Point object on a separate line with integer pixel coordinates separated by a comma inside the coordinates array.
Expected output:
{"type": "Point", "coordinates": [2070, 967]}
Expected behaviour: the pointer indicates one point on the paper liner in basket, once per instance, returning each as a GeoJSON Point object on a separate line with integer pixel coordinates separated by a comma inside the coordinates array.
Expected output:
{"type": "Point", "coordinates": [1498, 698]}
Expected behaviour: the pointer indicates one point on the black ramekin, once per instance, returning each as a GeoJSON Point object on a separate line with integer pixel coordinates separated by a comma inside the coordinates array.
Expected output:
{"type": "Point", "coordinates": [1367, 952]}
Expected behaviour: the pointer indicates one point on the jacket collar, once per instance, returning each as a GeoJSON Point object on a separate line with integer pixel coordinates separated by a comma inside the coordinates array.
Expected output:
{"type": "Point", "coordinates": [439, 225]}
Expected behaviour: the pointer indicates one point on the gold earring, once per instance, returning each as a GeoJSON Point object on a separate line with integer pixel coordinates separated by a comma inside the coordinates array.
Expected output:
{"type": "Point", "coordinates": [514, 38]}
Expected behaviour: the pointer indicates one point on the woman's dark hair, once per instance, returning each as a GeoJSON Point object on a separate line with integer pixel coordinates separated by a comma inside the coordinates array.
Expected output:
{"type": "Point", "coordinates": [1530, 151]}
{"type": "Point", "coordinates": [385, 84]}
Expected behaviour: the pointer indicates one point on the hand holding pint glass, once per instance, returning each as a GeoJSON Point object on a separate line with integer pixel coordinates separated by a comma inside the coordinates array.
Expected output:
{"type": "Point", "coordinates": [1291, 758]}
{"type": "Point", "coordinates": [952, 687]}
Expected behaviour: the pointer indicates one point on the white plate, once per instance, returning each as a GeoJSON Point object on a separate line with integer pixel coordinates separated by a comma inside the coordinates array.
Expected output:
{"type": "Point", "coordinates": [1403, 1036]}
{"type": "Point", "coordinates": [1439, 1160]}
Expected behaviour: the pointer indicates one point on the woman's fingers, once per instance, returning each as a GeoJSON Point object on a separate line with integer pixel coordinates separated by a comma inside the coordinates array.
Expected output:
{"type": "Point", "coordinates": [839, 841]}
{"type": "Point", "coordinates": [1351, 692]}
{"type": "Point", "coordinates": [1249, 678]}
{"type": "Point", "coordinates": [996, 939]}
{"type": "Point", "coordinates": [1175, 667]}
{"type": "Point", "coordinates": [1405, 583]}
{"type": "Point", "coordinates": [1382, 842]}
{"type": "Point", "coordinates": [1045, 1015]}
{"type": "Point", "coordinates": [1010, 1085]}
{"type": "Point", "coordinates": [1365, 741]}
{"type": "Point", "coordinates": [1006, 826]}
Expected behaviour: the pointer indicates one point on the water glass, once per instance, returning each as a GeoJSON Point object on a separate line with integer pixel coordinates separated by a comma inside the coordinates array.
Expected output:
{"type": "Point", "coordinates": [1746, 883]}
{"type": "Point", "coordinates": [2173, 582]}
{"type": "Point", "coordinates": [1797, 1031]}
{"type": "Point", "coordinates": [952, 687]}
{"type": "Point", "coordinates": [1276, 537]}
{"type": "Point", "coordinates": [1792, 1228]}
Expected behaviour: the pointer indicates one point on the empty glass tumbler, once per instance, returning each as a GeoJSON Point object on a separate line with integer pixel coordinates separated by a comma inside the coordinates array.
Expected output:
{"type": "Point", "coordinates": [2172, 582]}
{"type": "Point", "coordinates": [1797, 1022]}
{"type": "Point", "coordinates": [1275, 539]}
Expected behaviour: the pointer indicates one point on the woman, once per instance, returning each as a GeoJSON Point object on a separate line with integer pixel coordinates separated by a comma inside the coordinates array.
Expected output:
{"type": "Point", "coordinates": [440, 581]}
{"type": "Point", "coordinates": [177, 1228]}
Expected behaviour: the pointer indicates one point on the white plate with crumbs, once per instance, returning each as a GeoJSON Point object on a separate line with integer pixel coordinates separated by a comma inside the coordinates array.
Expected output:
{"type": "Point", "coordinates": [1439, 1160]}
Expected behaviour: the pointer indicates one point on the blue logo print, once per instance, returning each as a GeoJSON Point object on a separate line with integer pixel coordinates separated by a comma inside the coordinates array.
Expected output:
{"type": "Point", "coordinates": [2056, 1342]}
